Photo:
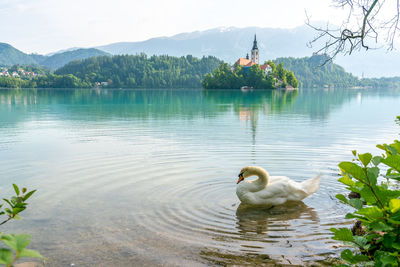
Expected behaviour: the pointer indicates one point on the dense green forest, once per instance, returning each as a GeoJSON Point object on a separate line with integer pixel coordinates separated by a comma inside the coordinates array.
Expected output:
{"type": "Point", "coordinates": [224, 78]}
{"type": "Point", "coordinates": [125, 71]}
{"type": "Point", "coordinates": [140, 71]}
{"type": "Point", "coordinates": [384, 82]}
{"type": "Point", "coordinates": [315, 71]}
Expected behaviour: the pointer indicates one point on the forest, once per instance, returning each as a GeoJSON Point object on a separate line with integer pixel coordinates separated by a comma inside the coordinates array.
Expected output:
{"type": "Point", "coordinates": [123, 71]}
{"type": "Point", "coordinates": [141, 71]}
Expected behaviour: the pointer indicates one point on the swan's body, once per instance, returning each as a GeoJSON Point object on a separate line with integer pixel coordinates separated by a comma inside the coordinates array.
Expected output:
{"type": "Point", "coordinates": [272, 190]}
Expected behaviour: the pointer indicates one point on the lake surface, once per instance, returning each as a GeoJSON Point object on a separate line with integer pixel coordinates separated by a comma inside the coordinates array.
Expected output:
{"type": "Point", "coordinates": [148, 177]}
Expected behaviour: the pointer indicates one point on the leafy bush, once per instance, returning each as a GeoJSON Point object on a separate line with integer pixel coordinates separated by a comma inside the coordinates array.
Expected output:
{"type": "Point", "coordinates": [16, 243]}
{"type": "Point", "coordinates": [377, 207]}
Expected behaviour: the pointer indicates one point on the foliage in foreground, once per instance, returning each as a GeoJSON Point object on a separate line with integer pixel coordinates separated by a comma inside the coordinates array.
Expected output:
{"type": "Point", "coordinates": [377, 207]}
{"type": "Point", "coordinates": [16, 243]}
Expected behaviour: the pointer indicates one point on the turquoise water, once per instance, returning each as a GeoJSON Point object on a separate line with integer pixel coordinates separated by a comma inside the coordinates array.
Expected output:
{"type": "Point", "coordinates": [148, 177]}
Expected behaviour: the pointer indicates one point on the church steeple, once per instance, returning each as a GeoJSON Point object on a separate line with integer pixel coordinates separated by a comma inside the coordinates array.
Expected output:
{"type": "Point", "coordinates": [254, 51]}
{"type": "Point", "coordinates": [255, 42]}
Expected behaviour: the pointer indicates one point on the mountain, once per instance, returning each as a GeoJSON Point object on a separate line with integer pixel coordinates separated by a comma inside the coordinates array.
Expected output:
{"type": "Point", "coordinates": [11, 56]}
{"type": "Point", "coordinates": [63, 50]}
{"type": "Point", "coordinates": [231, 43]}
{"type": "Point", "coordinates": [58, 60]}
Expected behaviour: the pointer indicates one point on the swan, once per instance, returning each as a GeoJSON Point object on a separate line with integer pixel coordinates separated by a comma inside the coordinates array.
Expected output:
{"type": "Point", "coordinates": [272, 190]}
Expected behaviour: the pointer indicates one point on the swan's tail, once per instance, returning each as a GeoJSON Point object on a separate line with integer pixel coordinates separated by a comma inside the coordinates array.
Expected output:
{"type": "Point", "coordinates": [311, 185]}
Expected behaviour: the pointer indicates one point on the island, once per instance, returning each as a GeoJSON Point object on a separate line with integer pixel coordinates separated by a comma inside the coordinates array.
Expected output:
{"type": "Point", "coordinates": [247, 73]}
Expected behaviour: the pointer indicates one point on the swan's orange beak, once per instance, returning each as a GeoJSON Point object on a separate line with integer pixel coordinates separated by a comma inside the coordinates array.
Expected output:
{"type": "Point", "coordinates": [241, 178]}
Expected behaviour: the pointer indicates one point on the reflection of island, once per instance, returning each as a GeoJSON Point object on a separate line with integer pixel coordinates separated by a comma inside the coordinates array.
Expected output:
{"type": "Point", "coordinates": [102, 105]}
{"type": "Point", "coordinates": [257, 219]}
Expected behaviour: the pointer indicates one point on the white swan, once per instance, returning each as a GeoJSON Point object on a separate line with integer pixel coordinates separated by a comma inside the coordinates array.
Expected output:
{"type": "Point", "coordinates": [272, 190]}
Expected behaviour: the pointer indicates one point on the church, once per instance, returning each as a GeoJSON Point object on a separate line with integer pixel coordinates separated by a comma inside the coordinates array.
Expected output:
{"type": "Point", "coordinates": [255, 59]}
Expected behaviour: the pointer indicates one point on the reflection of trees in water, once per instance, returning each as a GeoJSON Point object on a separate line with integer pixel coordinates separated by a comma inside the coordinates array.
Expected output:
{"type": "Point", "coordinates": [86, 104]}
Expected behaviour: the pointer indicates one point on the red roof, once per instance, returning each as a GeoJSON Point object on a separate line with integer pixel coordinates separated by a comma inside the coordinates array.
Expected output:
{"type": "Point", "coordinates": [243, 62]}
{"type": "Point", "coordinates": [251, 63]}
{"type": "Point", "coordinates": [263, 67]}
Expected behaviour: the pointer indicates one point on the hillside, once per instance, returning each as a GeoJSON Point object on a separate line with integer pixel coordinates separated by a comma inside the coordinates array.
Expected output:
{"type": "Point", "coordinates": [312, 72]}
{"type": "Point", "coordinates": [11, 56]}
{"type": "Point", "coordinates": [58, 60]}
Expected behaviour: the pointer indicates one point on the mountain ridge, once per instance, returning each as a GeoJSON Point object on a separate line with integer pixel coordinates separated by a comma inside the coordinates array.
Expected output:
{"type": "Point", "coordinates": [9, 56]}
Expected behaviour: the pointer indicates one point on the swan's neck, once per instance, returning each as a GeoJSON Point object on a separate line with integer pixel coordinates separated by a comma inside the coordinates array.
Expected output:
{"type": "Point", "coordinates": [263, 177]}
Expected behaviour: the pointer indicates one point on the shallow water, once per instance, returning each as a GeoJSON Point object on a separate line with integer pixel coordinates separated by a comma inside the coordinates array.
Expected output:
{"type": "Point", "coordinates": [148, 177]}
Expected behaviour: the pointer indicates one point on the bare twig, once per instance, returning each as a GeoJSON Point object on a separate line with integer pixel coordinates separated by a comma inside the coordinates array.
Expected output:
{"type": "Point", "coordinates": [349, 37]}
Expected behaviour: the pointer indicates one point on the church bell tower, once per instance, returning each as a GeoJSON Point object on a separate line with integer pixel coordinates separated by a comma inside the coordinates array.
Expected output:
{"type": "Point", "coordinates": [254, 51]}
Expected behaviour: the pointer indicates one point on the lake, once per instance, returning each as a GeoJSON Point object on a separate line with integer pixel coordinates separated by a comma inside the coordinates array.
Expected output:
{"type": "Point", "coordinates": [148, 177]}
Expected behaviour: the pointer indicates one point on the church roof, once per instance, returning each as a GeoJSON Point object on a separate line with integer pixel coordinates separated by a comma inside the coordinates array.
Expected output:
{"type": "Point", "coordinates": [243, 61]}
{"type": "Point", "coordinates": [251, 63]}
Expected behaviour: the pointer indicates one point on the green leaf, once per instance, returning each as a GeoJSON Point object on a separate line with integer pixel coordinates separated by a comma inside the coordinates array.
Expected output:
{"type": "Point", "coordinates": [356, 203]}
{"type": "Point", "coordinates": [28, 195]}
{"type": "Point", "coordinates": [380, 147]}
{"type": "Point", "coordinates": [382, 258]}
{"type": "Point", "coordinates": [30, 253]}
{"type": "Point", "coordinates": [353, 259]}
{"type": "Point", "coordinates": [367, 195]}
{"type": "Point", "coordinates": [354, 152]}
{"type": "Point", "coordinates": [360, 241]}
{"type": "Point", "coordinates": [342, 234]}
{"type": "Point", "coordinates": [16, 189]}
{"type": "Point", "coordinates": [353, 169]}
{"type": "Point", "coordinates": [372, 174]}
{"type": "Point", "coordinates": [6, 256]}
{"type": "Point", "coordinates": [352, 216]}
{"type": "Point", "coordinates": [385, 195]}
{"type": "Point", "coordinates": [16, 241]}
{"type": "Point", "coordinates": [392, 161]}
{"type": "Point", "coordinates": [347, 255]}
{"type": "Point", "coordinates": [341, 198]}
{"type": "Point", "coordinates": [376, 160]}
{"type": "Point", "coordinates": [396, 216]}
{"type": "Point", "coordinates": [365, 158]}
{"type": "Point", "coordinates": [347, 181]}
{"type": "Point", "coordinates": [371, 213]}
{"type": "Point", "coordinates": [380, 226]}
{"type": "Point", "coordinates": [17, 210]}
{"type": "Point", "coordinates": [394, 205]}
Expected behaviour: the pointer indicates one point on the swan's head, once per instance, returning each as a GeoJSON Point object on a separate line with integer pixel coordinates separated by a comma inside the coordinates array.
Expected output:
{"type": "Point", "coordinates": [249, 171]}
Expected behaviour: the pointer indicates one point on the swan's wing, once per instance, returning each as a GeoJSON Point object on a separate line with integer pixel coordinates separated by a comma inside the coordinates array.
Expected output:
{"type": "Point", "coordinates": [285, 188]}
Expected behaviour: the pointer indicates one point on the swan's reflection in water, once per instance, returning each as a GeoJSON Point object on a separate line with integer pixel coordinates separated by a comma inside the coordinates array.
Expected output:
{"type": "Point", "coordinates": [258, 220]}
{"type": "Point", "coordinates": [269, 236]}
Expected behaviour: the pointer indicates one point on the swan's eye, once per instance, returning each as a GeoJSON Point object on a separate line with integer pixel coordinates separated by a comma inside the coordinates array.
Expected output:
{"type": "Point", "coordinates": [240, 174]}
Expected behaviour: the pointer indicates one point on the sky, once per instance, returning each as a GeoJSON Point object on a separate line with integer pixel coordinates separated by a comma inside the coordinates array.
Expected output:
{"type": "Point", "coordinates": [44, 26]}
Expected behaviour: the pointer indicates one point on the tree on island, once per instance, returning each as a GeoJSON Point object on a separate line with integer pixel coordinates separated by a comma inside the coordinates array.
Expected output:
{"type": "Point", "coordinates": [224, 77]}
